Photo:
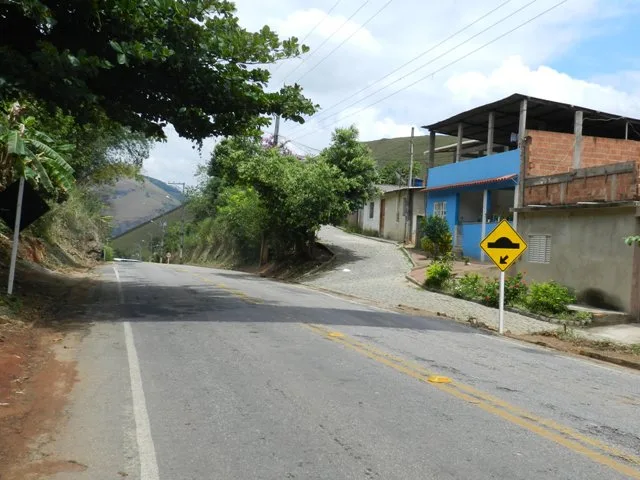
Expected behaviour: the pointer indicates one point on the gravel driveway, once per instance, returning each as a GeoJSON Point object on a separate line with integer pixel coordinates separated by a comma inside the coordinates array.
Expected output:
{"type": "Point", "coordinates": [375, 270]}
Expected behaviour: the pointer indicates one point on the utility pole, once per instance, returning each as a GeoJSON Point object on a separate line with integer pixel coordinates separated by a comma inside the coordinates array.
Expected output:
{"type": "Point", "coordinates": [276, 131]}
{"type": "Point", "coordinates": [411, 161]}
{"type": "Point", "coordinates": [164, 224]}
{"type": "Point", "coordinates": [181, 218]}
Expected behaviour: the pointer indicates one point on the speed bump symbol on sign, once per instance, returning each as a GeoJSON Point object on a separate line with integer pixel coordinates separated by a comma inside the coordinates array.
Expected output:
{"type": "Point", "coordinates": [503, 245]}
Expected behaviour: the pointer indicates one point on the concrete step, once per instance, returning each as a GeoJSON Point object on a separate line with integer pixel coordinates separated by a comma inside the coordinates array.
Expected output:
{"type": "Point", "coordinates": [602, 317]}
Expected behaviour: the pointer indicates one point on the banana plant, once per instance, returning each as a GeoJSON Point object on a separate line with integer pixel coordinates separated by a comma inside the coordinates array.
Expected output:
{"type": "Point", "coordinates": [28, 153]}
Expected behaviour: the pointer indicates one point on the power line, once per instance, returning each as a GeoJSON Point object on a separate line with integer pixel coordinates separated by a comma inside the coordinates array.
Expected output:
{"type": "Point", "coordinates": [345, 40]}
{"type": "Point", "coordinates": [312, 30]}
{"type": "Point", "coordinates": [506, 17]}
{"type": "Point", "coordinates": [508, 32]}
{"type": "Point", "coordinates": [327, 39]}
{"type": "Point", "coordinates": [429, 50]}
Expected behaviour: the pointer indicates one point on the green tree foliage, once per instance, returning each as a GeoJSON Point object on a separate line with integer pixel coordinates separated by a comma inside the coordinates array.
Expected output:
{"type": "Point", "coordinates": [287, 198]}
{"type": "Point", "coordinates": [395, 173]}
{"type": "Point", "coordinates": [144, 64]}
{"type": "Point", "coordinates": [355, 162]}
{"type": "Point", "coordinates": [27, 152]}
{"type": "Point", "coordinates": [101, 151]}
{"type": "Point", "coordinates": [435, 238]}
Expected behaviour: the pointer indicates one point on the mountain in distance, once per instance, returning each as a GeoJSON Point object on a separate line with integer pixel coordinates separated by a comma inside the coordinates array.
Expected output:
{"type": "Point", "coordinates": [132, 203]}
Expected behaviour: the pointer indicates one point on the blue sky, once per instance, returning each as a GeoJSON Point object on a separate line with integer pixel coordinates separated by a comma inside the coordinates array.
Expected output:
{"type": "Point", "coordinates": [583, 52]}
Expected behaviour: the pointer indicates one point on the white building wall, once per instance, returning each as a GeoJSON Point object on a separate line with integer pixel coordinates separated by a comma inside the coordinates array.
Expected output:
{"type": "Point", "coordinates": [371, 222]}
{"type": "Point", "coordinates": [419, 210]}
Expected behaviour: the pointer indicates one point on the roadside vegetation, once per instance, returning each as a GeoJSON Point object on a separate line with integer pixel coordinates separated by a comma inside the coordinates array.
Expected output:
{"type": "Point", "coordinates": [549, 300]}
{"type": "Point", "coordinates": [258, 202]}
{"type": "Point", "coordinates": [79, 109]}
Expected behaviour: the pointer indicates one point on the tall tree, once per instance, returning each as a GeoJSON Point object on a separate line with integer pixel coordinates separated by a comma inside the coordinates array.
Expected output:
{"type": "Point", "coordinates": [146, 64]}
{"type": "Point", "coordinates": [355, 162]}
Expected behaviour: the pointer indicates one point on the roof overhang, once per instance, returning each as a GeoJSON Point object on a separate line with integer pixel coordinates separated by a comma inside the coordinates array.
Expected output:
{"type": "Point", "coordinates": [473, 183]}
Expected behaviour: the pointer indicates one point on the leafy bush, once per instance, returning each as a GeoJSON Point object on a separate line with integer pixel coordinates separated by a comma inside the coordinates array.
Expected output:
{"type": "Point", "coordinates": [439, 273]}
{"type": "Point", "coordinates": [549, 298]}
{"type": "Point", "coordinates": [436, 238]}
{"type": "Point", "coordinates": [515, 291]}
{"type": "Point", "coordinates": [468, 287]}
{"type": "Point", "coordinates": [490, 293]}
{"type": "Point", "coordinates": [108, 253]}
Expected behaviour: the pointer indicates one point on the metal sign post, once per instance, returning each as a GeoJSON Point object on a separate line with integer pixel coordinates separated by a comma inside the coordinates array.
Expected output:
{"type": "Point", "coordinates": [16, 238]}
{"type": "Point", "coordinates": [503, 246]}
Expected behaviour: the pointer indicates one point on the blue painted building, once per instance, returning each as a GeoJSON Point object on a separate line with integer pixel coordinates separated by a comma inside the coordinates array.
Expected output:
{"type": "Point", "coordinates": [462, 191]}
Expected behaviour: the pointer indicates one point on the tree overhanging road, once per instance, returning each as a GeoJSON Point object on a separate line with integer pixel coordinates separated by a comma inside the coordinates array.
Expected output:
{"type": "Point", "coordinates": [195, 373]}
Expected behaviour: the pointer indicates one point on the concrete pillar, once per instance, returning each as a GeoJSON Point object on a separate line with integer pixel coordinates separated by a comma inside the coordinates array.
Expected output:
{"type": "Point", "coordinates": [516, 195]}
{"type": "Point", "coordinates": [485, 206]}
{"type": "Point", "coordinates": [459, 146]}
{"type": "Point", "coordinates": [577, 146]}
{"type": "Point", "coordinates": [626, 130]}
{"type": "Point", "coordinates": [431, 160]}
{"type": "Point", "coordinates": [522, 132]}
{"type": "Point", "coordinates": [492, 119]}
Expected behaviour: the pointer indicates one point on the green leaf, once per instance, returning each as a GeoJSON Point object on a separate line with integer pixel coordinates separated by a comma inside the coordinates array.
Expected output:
{"type": "Point", "coordinates": [116, 46]}
{"type": "Point", "coordinates": [122, 58]}
{"type": "Point", "coordinates": [43, 176]}
{"type": "Point", "coordinates": [15, 143]}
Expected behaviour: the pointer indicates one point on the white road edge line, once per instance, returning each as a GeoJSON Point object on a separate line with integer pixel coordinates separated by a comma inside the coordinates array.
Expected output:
{"type": "Point", "coordinates": [146, 449]}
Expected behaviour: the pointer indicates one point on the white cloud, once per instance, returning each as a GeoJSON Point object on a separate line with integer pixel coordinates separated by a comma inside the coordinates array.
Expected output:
{"type": "Point", "coordinates": [544, 82]}
{"type": "Point", "coordinates": [177, 159]}
{"type": "Point", "coordinates": [519, 62]}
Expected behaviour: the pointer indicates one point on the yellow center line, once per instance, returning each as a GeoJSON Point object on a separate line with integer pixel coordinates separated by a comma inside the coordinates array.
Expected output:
{"type": "Point", "coordinates": [236, 293]}
{"type": "Point", "coordinates": [590, 447]}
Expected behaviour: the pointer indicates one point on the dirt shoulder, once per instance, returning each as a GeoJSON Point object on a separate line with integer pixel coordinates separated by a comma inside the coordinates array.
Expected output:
{"type": "Point", "coordinates": [34, 378]}
{"type": "Point", "coordinates": [604, 350]}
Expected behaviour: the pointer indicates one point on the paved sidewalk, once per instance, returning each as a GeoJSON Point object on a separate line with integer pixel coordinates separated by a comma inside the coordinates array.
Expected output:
{"type": "Point", "coordinates": [376, 271]}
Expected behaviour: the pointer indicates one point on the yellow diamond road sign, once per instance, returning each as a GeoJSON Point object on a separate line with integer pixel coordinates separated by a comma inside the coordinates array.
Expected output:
{"type": "Point", "coordinates": [503, 245]}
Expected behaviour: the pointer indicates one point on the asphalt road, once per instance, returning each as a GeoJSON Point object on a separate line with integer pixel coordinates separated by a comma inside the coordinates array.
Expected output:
{"type": "Point", "coordinates": [193, 373]}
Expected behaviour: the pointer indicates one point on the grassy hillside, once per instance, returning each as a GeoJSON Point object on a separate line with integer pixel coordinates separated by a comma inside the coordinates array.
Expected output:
{"type": "Point", "coordinates": [138, 237]}
{"type": "Point", "coordinates": [389, 150]}
{"type": "Point", "coordinates": [131, 203]}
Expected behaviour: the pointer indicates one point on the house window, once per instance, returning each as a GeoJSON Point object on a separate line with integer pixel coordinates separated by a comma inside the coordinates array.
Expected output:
{"type": "Point", "coordinates": [371, 205]}
{"type": "Point", "coordinates": [440, 209]}
{"type": "Point", "coordinates": [539, 250]}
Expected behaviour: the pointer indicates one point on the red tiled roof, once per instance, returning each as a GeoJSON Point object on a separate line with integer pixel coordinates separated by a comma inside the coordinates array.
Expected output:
{"type": "Point", "coordinates": [484, 181]}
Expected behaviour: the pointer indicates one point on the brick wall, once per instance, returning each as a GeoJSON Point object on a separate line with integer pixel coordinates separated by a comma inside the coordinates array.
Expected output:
{"type": "Point", "coordinates": [621, 186]}
{"type": "Point", "coordinates": [551, 153]}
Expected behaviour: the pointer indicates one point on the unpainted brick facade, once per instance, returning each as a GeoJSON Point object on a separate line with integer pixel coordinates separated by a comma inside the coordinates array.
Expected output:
{"type": "Point", "coordinates": [551, 153]}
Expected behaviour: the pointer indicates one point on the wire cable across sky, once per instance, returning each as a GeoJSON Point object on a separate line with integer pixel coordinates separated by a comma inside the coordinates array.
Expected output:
{"type": "Point", "coordinates": [459, 59]}
{"type": "Point", "coordinates": [422, 54]}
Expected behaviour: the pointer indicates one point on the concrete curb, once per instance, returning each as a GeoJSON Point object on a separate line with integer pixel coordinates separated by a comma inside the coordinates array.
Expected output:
{"type": "Point", "coordinates": [322, 265]}
{"type": "Point", "coordinates": [606, 358]}
{"type": "Point", "coordinates": [414, 281]}
{"type": "Point", "coordinates": [408, 255]}
{"type": "Point", "coordinates": [377, 239]}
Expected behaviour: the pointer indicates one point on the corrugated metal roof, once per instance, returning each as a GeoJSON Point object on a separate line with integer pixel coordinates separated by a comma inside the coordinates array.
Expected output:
{"type": "Point", "coordinates": [485, 181]}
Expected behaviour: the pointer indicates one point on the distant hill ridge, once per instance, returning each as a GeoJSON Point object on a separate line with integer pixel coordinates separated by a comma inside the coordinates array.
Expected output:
{"type": "Point", "coordinates": [390, 150]}
{"type": "Point", "coordinates": [132, 203]}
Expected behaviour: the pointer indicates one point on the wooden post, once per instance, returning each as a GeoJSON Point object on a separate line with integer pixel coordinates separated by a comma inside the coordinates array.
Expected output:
{"type": "Point", "coordinates": [492, 119]}
{"type": "Point", "coordinates": [459, 146]}
{"type": "Point", "coordinates": [577, 146]}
